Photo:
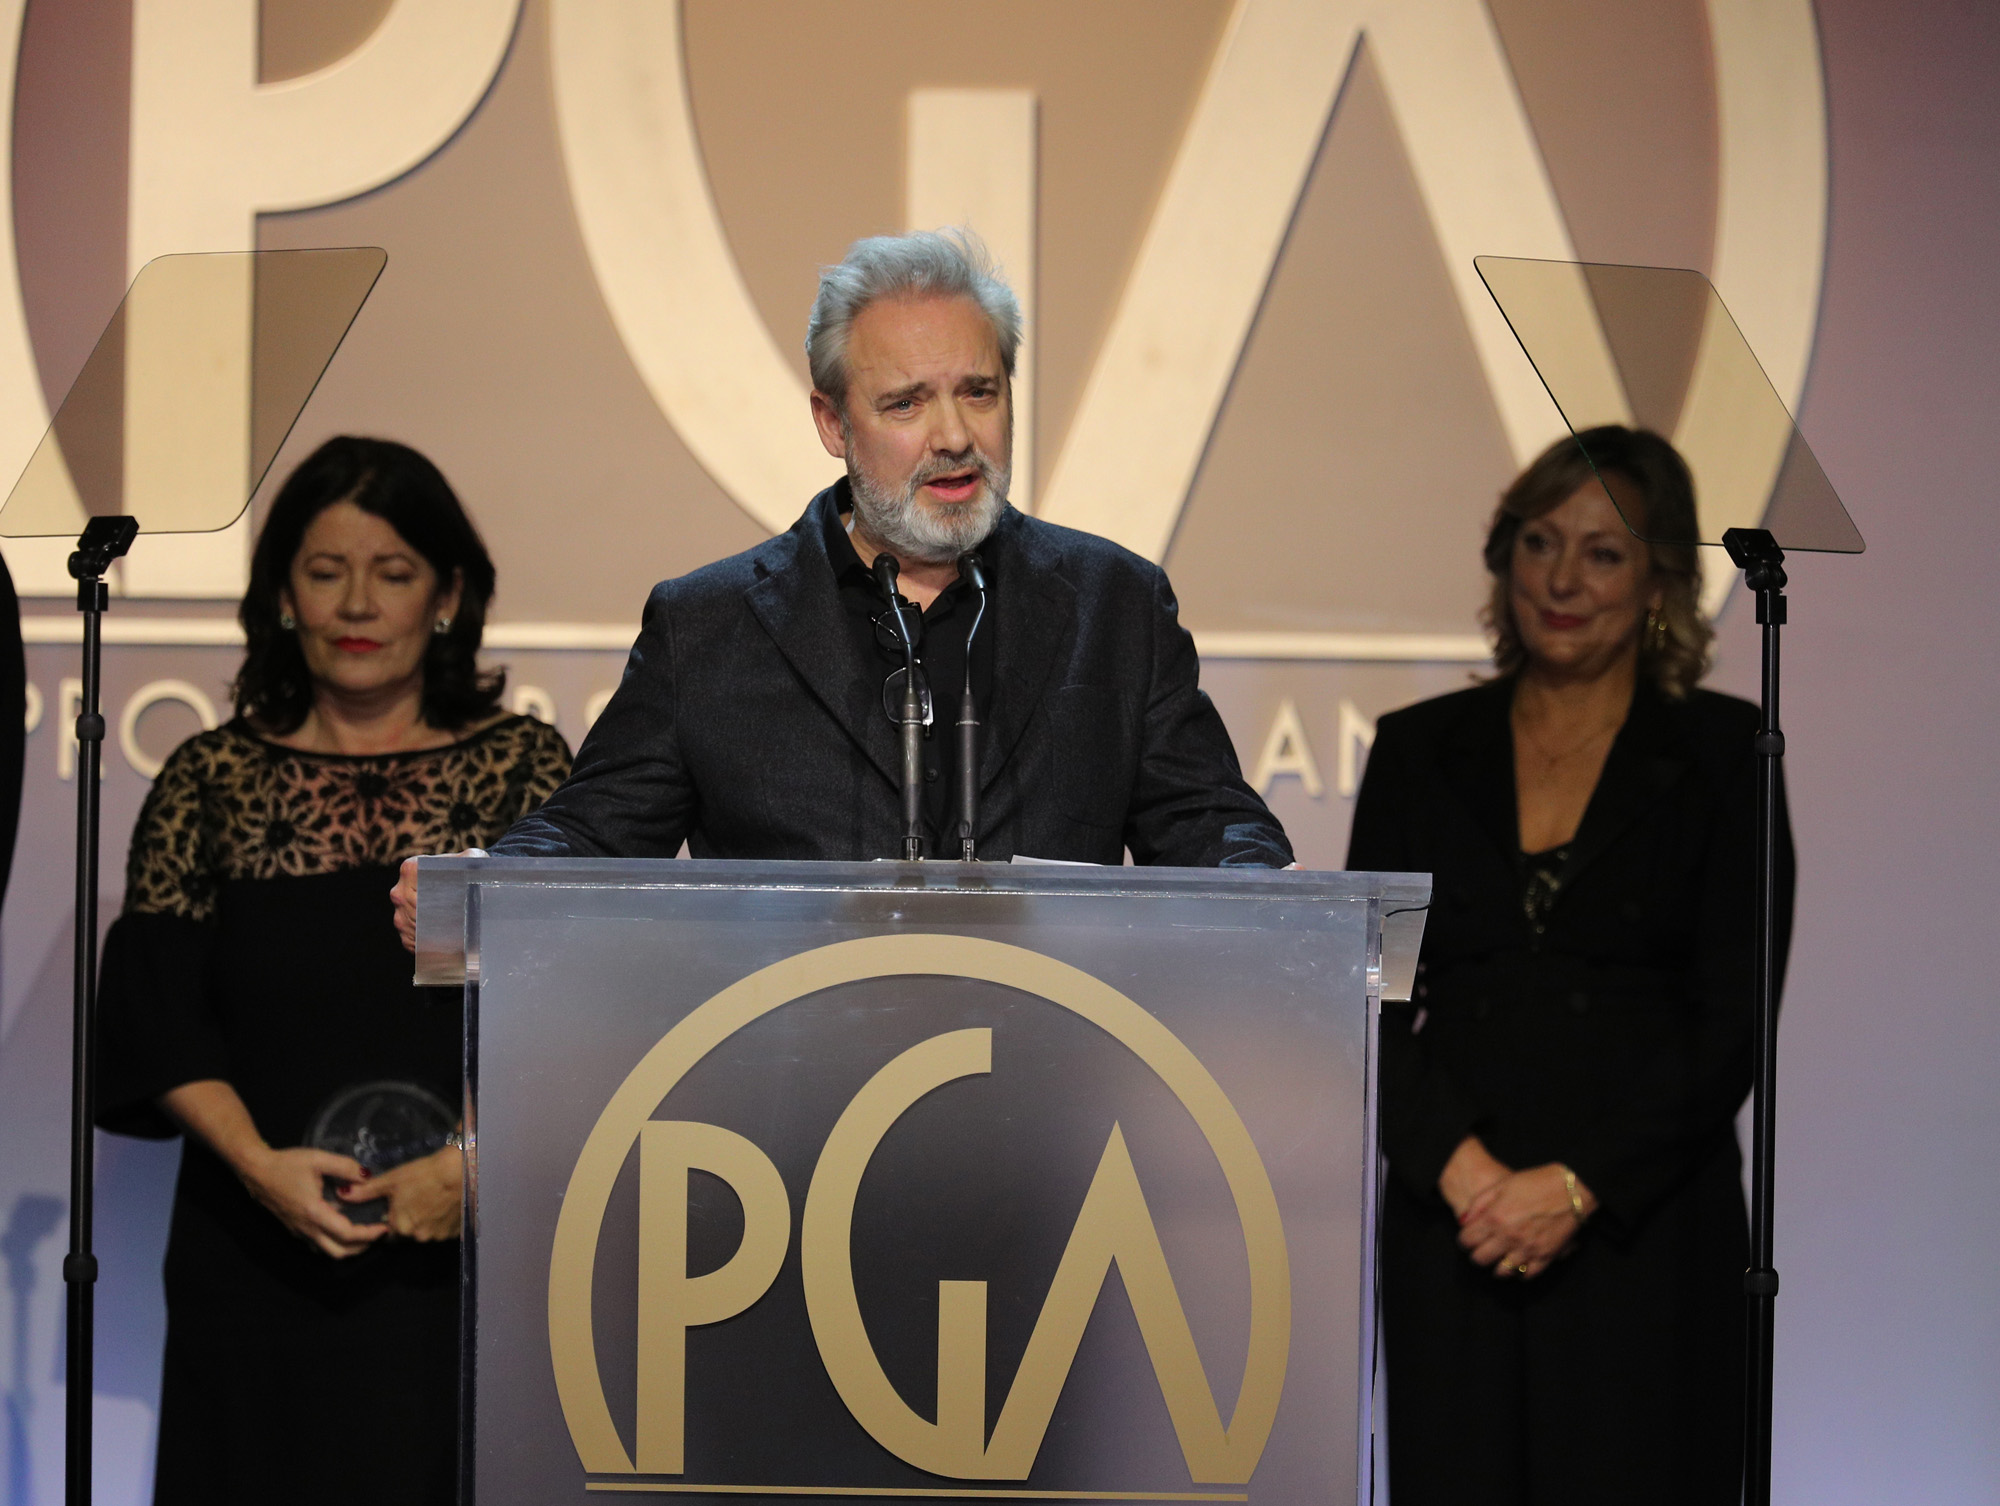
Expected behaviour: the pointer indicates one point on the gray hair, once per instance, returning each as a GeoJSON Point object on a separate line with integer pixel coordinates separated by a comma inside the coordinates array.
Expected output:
{"type": "Point", "coordinates": [923, 264]}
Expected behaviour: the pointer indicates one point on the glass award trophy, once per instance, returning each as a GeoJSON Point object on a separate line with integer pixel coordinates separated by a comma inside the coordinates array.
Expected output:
{"type": "Point", "coordinates": [178, 412]}
{"type": "Point", "coordinates": [1654, 348]}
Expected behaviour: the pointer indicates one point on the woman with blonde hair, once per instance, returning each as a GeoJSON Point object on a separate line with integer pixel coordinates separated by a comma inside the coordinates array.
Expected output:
{"type": "Point", "coordinates": [1564, 1233]}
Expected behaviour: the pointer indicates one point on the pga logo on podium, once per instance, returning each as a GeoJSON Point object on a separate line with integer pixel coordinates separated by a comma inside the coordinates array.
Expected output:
{"type": "Point", "coordinates": [1115, 1225]}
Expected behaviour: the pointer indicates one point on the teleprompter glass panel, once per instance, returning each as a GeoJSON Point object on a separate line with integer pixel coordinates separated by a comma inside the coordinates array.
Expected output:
{"type": "Point", "coordinates": [190, 391]}
{"type": "Point", "coordinates": [915, 1191]}
{"type": "Point", "coordinates": [1654, 348]}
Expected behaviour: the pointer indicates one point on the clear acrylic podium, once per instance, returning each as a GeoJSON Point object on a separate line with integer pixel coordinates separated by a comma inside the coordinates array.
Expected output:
{"type": "Point", "coordinates": [905, 1181]}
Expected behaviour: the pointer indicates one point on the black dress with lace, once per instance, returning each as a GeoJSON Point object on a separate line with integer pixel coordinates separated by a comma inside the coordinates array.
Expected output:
{"type": "Point", "coordinates": [256, 946]}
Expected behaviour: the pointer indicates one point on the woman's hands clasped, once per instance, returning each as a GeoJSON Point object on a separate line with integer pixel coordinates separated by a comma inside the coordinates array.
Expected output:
{"type": "Point", "coordinates": [291, 1184]}
{"type": "Point", "coordinates": [1521, 1223]}
{"type": "Point", "coordinates": [1517, 1222]}
{"type": "Point", "coordinates": [425, 1196]}
{"type": "Point", "coordinates": [403, 898]}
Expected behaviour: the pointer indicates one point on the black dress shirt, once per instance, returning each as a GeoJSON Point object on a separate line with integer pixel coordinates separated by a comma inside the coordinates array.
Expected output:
{"type": "Point", "coordinates": [940, 633]}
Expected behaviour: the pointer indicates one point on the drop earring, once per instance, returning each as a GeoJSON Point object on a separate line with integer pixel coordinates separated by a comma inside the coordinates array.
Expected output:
{"type": "Point", "coordinates": [287, 621]}
{"type": "Point", "coordinates": [1656, 631]}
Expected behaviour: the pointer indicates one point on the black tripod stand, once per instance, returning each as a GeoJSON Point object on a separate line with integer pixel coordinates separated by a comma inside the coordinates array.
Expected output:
{"type": "Point", "coordinates": [1757, 555]}
{"type": "Point", "coordinates": [104, 540]}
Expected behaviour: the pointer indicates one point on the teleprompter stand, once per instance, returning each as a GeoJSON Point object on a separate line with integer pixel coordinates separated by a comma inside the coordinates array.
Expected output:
{"type": "Point", "coordinates": [178, 414]}
{"type": "Point", "coordinates": [103, 540]}
{"type": "Point", "coordinates": [1760, 559]}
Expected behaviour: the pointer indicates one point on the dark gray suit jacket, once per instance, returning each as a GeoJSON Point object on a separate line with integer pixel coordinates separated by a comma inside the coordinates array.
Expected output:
{"type": "Point", "coordinates": [750, 725]}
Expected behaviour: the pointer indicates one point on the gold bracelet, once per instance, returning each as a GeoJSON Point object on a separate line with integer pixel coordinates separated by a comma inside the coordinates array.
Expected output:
{"type": "Point", "coordinates": [1575, 1197]}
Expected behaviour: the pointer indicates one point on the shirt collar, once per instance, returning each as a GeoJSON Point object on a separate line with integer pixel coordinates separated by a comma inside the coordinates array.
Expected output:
{"type": "Point", "coordinates": [840, 550]}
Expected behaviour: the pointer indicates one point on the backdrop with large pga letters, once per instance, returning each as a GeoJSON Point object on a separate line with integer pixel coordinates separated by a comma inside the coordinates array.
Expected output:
{"type": "Point", "coordinates": [1257, 352]}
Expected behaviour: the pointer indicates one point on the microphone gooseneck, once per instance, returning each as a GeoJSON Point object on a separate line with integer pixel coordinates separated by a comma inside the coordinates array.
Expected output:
{"type": "Point", "coordinates": [911, 723]}
{"type": "Point", "coordinates": [971, 570]}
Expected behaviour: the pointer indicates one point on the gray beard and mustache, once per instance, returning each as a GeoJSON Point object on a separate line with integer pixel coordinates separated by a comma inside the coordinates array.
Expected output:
{"type": "Point", "coordinates": [937, 533]}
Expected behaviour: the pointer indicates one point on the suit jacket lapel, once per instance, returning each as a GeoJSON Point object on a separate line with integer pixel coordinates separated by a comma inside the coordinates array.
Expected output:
{"type": "Point", "coordinates": [1478, 762]}
{"type": "Point", "coordinates": [1034, 616]}
{"type": "Point", "coordinates": [798, 604]}
{"type": "Point", "coordinates": [1643, 764]}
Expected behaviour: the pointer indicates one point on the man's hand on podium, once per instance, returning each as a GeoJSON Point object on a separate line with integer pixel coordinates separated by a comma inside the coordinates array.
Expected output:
{"type": "Point", "coordinates": [404, 898]}
{"type": "Point", "coordinates": [404, 895]}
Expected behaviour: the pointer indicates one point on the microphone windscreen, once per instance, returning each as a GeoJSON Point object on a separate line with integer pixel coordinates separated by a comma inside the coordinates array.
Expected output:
{"type": "Point", "coordinates": [972, 570]}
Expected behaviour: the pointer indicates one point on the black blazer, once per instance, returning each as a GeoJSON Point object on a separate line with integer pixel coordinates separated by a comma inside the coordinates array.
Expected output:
{"type": "Point", "coordinates": [748, 724]}
{"type": "Point", "coordinates": [1618, 1041]}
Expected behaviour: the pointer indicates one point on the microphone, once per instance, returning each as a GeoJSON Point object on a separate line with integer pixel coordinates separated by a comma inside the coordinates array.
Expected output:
{"type": "Point", "coordinates": [912, 721]}
{"type": "Point", "coordinates": [972, 571]}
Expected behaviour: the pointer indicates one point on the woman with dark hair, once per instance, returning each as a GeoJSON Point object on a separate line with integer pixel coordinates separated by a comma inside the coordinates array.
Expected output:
{"type": "Point", "coordinates": [1564, 1233]}
{"type": "Point", "coordinates": [254, 990]}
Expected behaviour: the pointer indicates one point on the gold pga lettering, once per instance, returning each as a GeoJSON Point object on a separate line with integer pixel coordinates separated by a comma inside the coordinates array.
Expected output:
{"type": "Point", "coordinates": [1113, 1225]}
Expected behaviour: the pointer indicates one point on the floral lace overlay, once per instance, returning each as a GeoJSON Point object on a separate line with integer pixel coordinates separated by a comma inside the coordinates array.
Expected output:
{"type": "Point", "coordinates": [229, 805]}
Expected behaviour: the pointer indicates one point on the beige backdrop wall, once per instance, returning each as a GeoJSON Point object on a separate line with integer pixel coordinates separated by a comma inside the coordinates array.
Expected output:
{"type": "Point", "coordinates": [1336, 403]}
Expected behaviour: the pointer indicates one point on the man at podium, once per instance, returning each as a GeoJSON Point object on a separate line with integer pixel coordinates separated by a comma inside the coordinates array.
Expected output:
{"type": "Point", "coordinates": [760, 711]}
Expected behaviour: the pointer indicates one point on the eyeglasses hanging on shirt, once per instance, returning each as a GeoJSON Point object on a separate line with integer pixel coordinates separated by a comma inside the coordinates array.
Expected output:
{"type": "Point", "coordinates": [891, 647]}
